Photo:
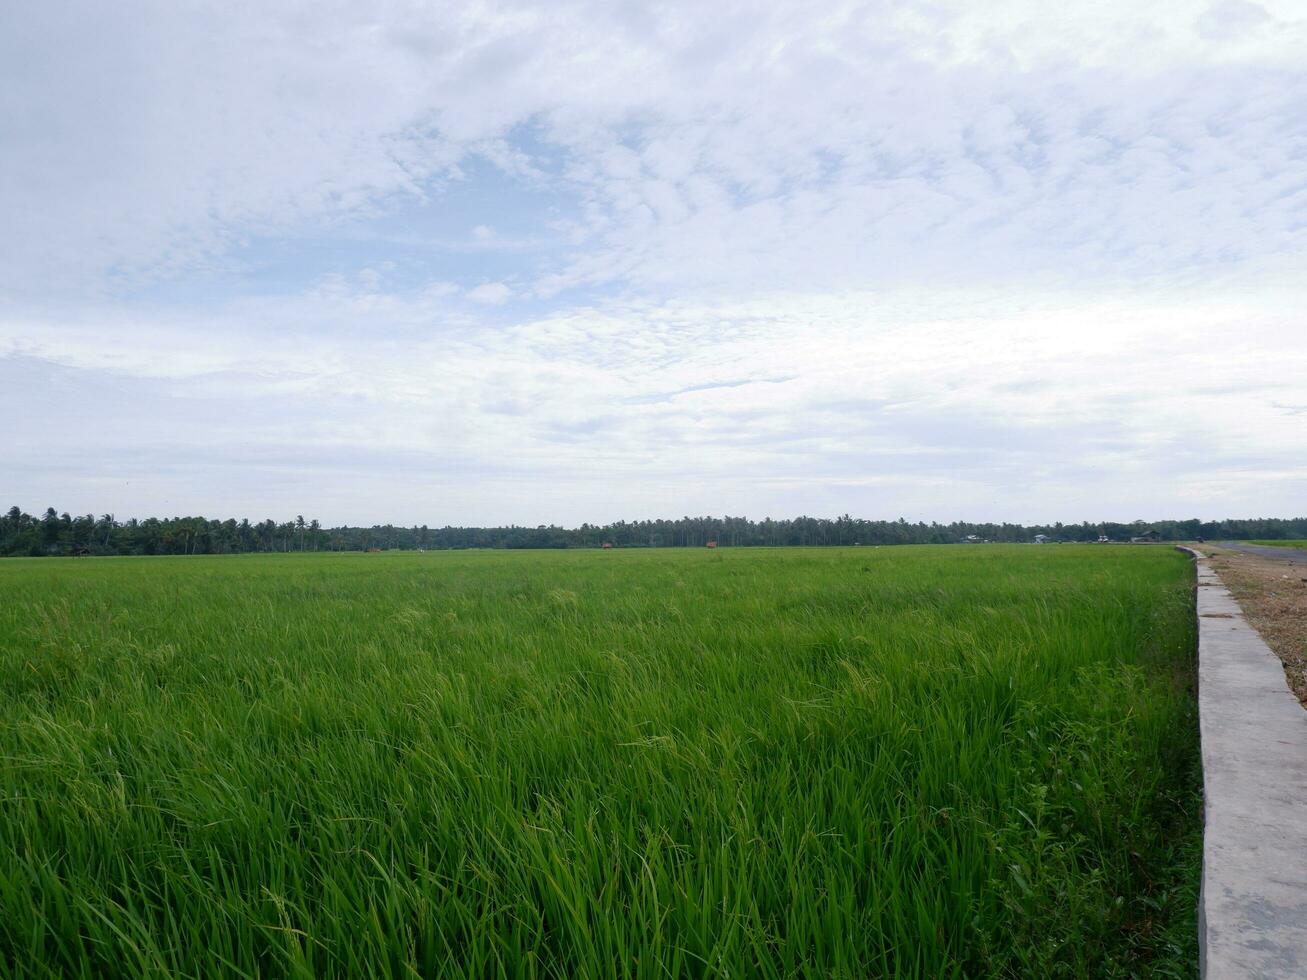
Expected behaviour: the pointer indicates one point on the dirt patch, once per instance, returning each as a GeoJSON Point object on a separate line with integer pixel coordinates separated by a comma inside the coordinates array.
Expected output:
{"type": "Point", "coordinates": [1273, 597]}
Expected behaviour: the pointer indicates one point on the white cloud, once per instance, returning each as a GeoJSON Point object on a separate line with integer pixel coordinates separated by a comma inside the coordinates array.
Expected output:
{"type": "Point", "coordinates": [925, 259]}
{"type": "Point", "coordinates": [490, 293]}
{"type": "Point", "coordinates": [870, 403]}
{"type": "Point", "coordinates": [724, 145]}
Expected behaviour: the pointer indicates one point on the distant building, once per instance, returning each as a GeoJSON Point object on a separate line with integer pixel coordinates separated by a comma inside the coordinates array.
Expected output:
{"type": "Point", "coordinates": [1041, 539]}
{"type": "Point", "coordinates": [607, 546]}
{"type": "Point", "coordinates": [1145, 537]}
{"type": "Point", "coordinates": [711, 544]}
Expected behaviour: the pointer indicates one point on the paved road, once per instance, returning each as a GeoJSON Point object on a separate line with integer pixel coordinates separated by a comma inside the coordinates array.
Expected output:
{"type": "Point", "coordinates": [1252, 914]}
{"type": "Point", "coordinates": [1294, 556]}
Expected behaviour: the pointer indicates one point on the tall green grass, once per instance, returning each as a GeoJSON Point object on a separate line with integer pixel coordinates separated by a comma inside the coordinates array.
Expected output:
{"type": "Point", "coordinates": [935, 762]}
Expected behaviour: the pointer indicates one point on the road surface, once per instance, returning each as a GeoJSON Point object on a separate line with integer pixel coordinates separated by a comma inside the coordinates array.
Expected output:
{"type": "Point", "coordinates": [1294, 556]}
{"type": "Point", "coordinates": [1252, 909]}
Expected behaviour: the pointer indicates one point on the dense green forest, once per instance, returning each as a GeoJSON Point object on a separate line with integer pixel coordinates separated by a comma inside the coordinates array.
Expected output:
{"type": "Point", "coordinates": [64, 534]}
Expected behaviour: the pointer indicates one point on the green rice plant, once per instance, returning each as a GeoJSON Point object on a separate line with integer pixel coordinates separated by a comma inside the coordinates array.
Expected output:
{"type": "Point", "coordinates": [934, 762]}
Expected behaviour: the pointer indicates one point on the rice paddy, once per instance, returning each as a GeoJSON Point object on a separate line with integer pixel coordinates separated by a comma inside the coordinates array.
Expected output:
{"type": "Point", "coordinates": [927, 761]}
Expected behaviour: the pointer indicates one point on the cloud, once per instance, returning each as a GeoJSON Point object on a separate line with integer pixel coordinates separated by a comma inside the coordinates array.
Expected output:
{"type": "Point", "coordinates": [584, 260]}
{"type": "Point", "coordinates": [722, 149]}
{"type": "Point", "coordinates": [1054, 411]}
{"type": "Point", "coordinates": [1231, 19]}
{"type": "Point", "coordinates": [490, 293]}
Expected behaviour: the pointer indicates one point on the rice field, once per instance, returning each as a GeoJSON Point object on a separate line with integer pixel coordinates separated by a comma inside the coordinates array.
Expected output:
{"type": "Point", "coordinates": [925, 762]}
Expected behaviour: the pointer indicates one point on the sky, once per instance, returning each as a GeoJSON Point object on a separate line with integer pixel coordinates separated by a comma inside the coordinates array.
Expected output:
{"type": "Point", "coordinates": [491, 263]}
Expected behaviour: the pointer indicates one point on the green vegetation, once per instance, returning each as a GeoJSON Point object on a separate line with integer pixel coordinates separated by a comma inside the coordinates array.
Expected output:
{"type": "Point", "coordinates": [830, 763]}
{"type": "Point", "coordinates": [1281, 544]}
{"type": "Point", "coordinates": [55, 534]}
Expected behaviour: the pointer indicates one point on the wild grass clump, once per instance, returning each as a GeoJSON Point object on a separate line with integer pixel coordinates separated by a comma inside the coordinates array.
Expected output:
{"type": "Point", "coordinates": [830, 763]}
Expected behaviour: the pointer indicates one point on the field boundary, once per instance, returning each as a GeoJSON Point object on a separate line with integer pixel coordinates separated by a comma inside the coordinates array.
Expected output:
{"type": "Point", "coordinates": [1252, 908]}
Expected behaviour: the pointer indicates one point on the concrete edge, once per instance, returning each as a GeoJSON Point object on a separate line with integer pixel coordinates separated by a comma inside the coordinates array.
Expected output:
{"type": "Point", "coordinates": [1252, 906]}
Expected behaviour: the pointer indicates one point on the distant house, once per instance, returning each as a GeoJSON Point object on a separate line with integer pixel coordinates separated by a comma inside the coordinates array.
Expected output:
{"type": "Point", "coordinates": [1145, 537]}
{"type": "Point", "coordinates": [607, 546]}
{"type": "Point", "coordinates": [711, 544]}
{"type": "Point", "coordinates": [1041, 539]}
{"type": "Point", "coordinates": [971, 539]}
{"type": "Point", "coordinates": [1104, 539]}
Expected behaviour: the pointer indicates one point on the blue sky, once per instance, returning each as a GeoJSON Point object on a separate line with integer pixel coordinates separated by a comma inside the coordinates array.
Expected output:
{"type": "Point", "coordinates": [493, 262]}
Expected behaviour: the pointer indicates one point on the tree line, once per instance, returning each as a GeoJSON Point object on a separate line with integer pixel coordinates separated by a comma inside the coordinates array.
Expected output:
{"type": "Point", "coordinates": [54, 534]}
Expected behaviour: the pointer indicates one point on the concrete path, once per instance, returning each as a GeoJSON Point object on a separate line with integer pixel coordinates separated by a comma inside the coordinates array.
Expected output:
{"type": "Point", "coordinates": [1294, 556]}
{"type": "Point", "coordinates": [1252, 916]}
